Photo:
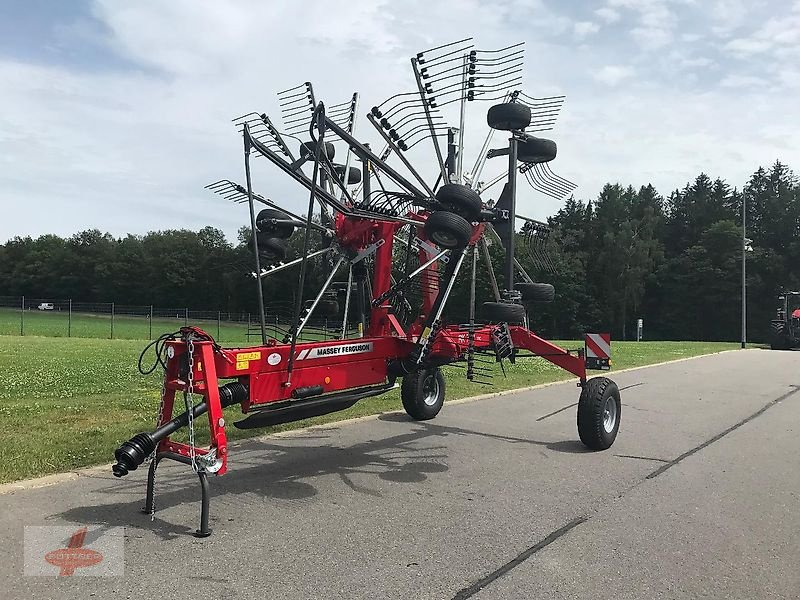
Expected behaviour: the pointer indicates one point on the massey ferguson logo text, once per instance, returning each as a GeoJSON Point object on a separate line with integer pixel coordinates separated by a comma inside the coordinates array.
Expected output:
{"type": "Point", "coordinates": [326, 351]}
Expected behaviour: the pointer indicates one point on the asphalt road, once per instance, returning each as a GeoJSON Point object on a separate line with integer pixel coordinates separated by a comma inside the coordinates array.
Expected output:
{"type": "Point", "coordinates": [699, 497]}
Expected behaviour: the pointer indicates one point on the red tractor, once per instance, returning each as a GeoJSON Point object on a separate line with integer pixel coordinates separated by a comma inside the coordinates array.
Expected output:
{"type": "Point", "coordinates": [785, 328]}
{"type": "Point", "coordinates": [402, 243]}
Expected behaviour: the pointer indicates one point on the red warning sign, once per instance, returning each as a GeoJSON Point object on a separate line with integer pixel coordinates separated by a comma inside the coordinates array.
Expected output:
{"type": "Point", "coordinates": [597, 351]}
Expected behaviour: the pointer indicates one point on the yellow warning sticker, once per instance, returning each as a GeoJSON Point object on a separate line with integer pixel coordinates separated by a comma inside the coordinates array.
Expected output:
{"type": "Point", "coordinates": [248, 356]}
{"type": "Point", "coordinates": [242, 365]}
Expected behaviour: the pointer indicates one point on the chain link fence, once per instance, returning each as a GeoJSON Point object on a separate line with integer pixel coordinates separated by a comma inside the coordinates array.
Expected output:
{"type": "Point", "coordinates": [53, 317]}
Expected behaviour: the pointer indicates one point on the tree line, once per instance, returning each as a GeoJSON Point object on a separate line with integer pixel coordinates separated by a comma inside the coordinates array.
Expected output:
{"type": "Point", "coordinates": [673, 261]}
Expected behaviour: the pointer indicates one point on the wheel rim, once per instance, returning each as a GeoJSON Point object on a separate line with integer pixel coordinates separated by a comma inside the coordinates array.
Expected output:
{"type": "Point", "coordinates": [610, 415]}
{"type": "Point", "coordinates": [430, 390]}
{"type": "Point", "coordinates": [444, 238]}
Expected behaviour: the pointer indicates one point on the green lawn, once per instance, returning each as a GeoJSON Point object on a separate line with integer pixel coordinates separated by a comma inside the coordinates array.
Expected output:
{"type": "Point", "coordinates": [68, 403]}
{"type": "Point", "coordinates": [56, 323]}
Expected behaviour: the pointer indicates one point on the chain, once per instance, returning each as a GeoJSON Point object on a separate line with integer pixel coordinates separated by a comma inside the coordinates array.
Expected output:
{"type": "Point", "coordinates": [152, 456]}
{"type": "Point", "coordinates": [188, 398]}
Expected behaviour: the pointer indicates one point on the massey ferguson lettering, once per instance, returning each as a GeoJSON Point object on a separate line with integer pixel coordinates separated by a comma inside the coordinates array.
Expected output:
{"type": "Point", "coordinates": [339, 350]}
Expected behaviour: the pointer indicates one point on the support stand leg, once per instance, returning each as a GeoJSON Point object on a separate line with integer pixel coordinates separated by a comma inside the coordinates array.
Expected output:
{"type": "Point", "coordinates": [205, 499]}
{"type": "Point", "coordinates": [204, 531]}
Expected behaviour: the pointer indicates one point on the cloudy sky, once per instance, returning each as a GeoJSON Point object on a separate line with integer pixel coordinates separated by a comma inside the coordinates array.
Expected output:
{"type": "Point", "coordinates": [114, 115]}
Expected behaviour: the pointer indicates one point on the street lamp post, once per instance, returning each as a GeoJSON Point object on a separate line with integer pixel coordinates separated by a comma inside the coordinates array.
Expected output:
{"type": "Point", "coordinates": [745, 244]}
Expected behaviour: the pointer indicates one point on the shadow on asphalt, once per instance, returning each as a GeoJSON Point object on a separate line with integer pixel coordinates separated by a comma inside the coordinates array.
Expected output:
{"type": "Point", "coordinates": [284, 469]}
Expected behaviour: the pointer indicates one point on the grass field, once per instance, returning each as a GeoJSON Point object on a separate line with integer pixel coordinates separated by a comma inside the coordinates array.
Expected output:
{"type": "Point", "coordinates": [126, 327]}
{"type": "Point", "coordinates": [68, 403]}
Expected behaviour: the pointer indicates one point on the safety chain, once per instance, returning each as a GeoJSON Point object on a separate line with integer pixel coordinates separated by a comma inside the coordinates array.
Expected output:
{"type": "Point", "coordinates": [188, 398]}
{"type": "Point", "coordinates": [152, 456]}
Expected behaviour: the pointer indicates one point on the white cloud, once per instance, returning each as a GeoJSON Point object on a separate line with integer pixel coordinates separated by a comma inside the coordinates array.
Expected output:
{"type": "Point", "coordinates": [613, 74]}
{"type": "Point", "coordinates": [609, 15]}
{"type": "Point", "coordinates": [743, 81]}
{"type": "Point", "coordinates": [130, 149]}
{"type": "Point", "coordinates": [696, 62]}
{"type": "Point", "coordinates": [584, 28]}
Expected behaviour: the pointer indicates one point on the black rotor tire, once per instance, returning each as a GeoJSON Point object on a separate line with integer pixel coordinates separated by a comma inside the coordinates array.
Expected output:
{"type": "Point", "coordinates": [353, 174]}
{"type": "Point", "coordinates": [777, 336]}
{"type": "Point", "coordinates": [509, 116]}
{"type": "Point", "coordinates": [536, 150]}
{"type": "Point", "coordinates": [598, 395]}
{"type": "Point", "coordinates": [536, 292]}
{"type": "Point", "coordinates": [448, 230]}
{"type": "Point", "coordinates": [503, 312]}
{"type": "Point", "coordinates": [422, 393]}
{"type": "Point", "coordinates": [327, 307]}
{"type": "Point", "coordinates": [309, 149]}
{"type": "Point", "coordinates": [281, 230]}
{"type": "Point", "coordinates": [274, 247]}
{"type": "Point", "coordinates": [460, 199]}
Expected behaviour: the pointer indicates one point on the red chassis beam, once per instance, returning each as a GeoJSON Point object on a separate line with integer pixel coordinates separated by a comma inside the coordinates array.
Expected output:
{"type": "Point", "coordinates": [334, 366]}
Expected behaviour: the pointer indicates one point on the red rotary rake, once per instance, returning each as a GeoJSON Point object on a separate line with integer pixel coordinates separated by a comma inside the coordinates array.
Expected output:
{"type": "Point", "coordinates": [402, 243]}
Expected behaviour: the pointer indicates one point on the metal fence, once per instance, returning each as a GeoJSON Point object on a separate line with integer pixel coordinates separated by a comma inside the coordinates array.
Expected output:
{"type": "Point", "coordinates": [52, 317]}
{"type": "Point", "coordinates": [23, 315]}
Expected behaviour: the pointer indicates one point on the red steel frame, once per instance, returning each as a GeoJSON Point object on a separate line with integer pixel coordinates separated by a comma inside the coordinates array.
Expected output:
{"type": "Point", "coordinates": [347, 364]}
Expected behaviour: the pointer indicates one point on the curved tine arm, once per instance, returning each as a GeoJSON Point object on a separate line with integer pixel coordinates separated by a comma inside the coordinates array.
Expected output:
{"type": "Point", "coordinates": [390, 98]}
{"type": "Point", "coordinates": [560, 97]}
{"type": "Point", "coordinates": [414, 131]}
{"type": "Point", "coordinates": [305, 84]}
{"type": "Point", "coordinates": [434, 77]}
{"type": "Point", "coordinates": [423, 138]}
{"type": "Point", "coordinates": [518, 44]}
{"type": "Point", "coordinates": [403, 106]}
{"type": "Point", "coordinates": [415, 116]}
{"type": "Point", "coordinates": [405, 161]}
{"type": "Point", "coordinates": [546, 167]}
{"type": "Point", "coordinates": [250, 114]}
{"type": "Point", "coordinates": [425, 60]}
{"type": "Point", "coordinates": [499, 74]}
{"type": "Point", "coordinates": [447, 45]}
{"type": "Point", "coordinates": [539, 187]}
{"type": "Point", "coordinates": [552, 179]}
{"type": "Point", "coordinates": [538, 178]}
{"type": "Point", "coordinates": [436, 120]}
{"type": "Point", "coordinates": [500, 86]}
{"type": "Point", "coordinates": [497, 60]}
{"type": "Point", "coordinates": [297, 100]}
{"type": "Point", "coordinates": [293, 112]}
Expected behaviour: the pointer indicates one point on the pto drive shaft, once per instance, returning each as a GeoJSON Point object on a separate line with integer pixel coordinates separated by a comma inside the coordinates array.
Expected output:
{"type": "Point", "coordinates": [134, 452]}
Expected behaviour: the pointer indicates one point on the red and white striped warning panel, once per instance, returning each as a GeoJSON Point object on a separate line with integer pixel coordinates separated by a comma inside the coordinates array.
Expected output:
{"type": "Point", "coordinates": [597, 347]}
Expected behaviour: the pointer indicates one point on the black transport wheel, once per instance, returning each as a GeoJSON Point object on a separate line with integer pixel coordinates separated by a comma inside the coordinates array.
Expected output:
{"type": "Point", "coordinates": [353, 174]}
{"type": "Point", "coordinates": [460, 199]}
{"type": "Point", "coordinates": [327, 307]}
{"type": "Point", "coordinates": [448, 230]}
{"type": "Point", "coordinates": [510, 116]}
{"type": "Point", "coordinates": [536, 150]}
{"type": "Point", "coordinates": [309, 149]}
{"type": "Point", "coordinates": [280, 230]}
{"type": "Point", "coordinates": [536, 292]}
{"type": "Point", "coordinates": [777, 336]}
{"type": "Point", "coordinates": [599, 413]}
{"type": "Point", "coordinates": [274, 248]}
{"type": "Point", "coordinates": [503, 312]}
{"type": "Point", "coordinates": [423, 394]}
